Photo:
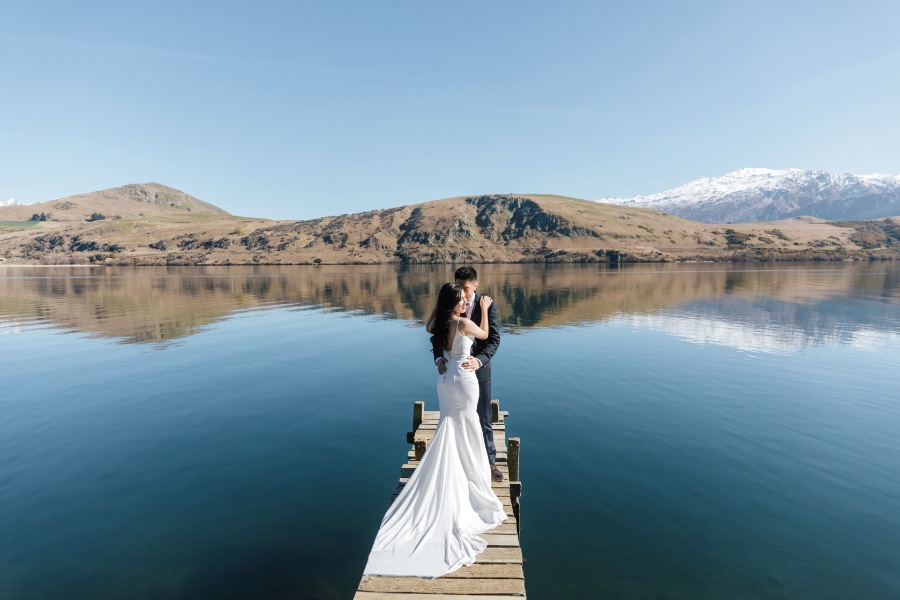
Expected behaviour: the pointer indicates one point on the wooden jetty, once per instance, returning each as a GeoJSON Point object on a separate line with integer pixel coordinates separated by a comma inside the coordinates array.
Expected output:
{"type": "Point", "coordinates": [497, 572]}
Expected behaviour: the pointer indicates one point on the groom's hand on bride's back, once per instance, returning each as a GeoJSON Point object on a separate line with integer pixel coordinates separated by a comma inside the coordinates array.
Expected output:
{"type": "Point", "coordinates": [472, 364]}
{"type": "Point", "coordinates": [441, 365]}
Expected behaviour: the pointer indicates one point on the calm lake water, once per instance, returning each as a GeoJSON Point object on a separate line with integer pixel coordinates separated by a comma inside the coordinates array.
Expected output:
{"type": "Point", "coordinates": [690, 431]}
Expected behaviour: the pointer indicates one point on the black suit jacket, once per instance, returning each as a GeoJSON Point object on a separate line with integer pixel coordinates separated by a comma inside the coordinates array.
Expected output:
{"type": "Point", "coordinates": [483, 350]}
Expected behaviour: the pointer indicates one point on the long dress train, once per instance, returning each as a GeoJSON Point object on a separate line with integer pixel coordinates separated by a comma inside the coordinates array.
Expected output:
{"type": "Point", "coordinates": [432, 527]}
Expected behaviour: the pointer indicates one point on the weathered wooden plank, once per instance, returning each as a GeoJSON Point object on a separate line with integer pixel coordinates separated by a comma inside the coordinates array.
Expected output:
{"type": "Point", "coordinates": [426, 431]}
{"type": "Point", "coordinates": [443, 585]}
{"type": "Point", "coordinates": [402, 596]}
{"type": "Point", "coordinates": [495, 485]}
{"type": "Point", "coordinates": [500, 555]}
{"type": "Point", "coordinates": [507, 506]}
{"type": "Point", "coordinates": [501, 540]}
{"type": "Point", "coordinates": [405, 474]}
{"type": "Point", "coordinates": [407, 468]}
{"type": "Point", "coordinates": [501, 455]}
{"type": "Point", "coordinates": [410, 466]}
{"type": "Point", "coordinates": [504, 527]}
{"type": "Point", "coordinates": [500, 488]}
{"type": "Point", "coordinates": [436, 414]}
{"type": "Point", "coordinates": [488, 571]}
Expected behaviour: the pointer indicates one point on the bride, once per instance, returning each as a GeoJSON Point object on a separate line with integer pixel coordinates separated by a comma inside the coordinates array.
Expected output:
{"type": "Point", "coordinates": [432, 527]}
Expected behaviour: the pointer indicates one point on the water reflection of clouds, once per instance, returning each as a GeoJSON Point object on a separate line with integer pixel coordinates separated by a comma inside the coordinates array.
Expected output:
{"type": "Point", "coordinates": [7, 328]}
{"type": "Point", "coordinates": [872, 339]}
{"type": "Point", "coordinates": [757, 337]}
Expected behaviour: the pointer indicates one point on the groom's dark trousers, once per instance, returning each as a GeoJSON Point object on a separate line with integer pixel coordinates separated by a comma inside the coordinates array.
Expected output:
{"type": "Point", "coordinates": [484, 351]}
{"type": "Point", "coordinates": [484, 414]}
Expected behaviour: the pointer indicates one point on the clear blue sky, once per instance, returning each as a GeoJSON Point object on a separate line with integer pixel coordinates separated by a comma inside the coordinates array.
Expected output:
{"type": "Point", "coordinates": [298, 110]}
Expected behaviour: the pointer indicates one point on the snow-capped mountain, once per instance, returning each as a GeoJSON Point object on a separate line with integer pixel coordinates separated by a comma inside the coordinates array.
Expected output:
{"type": "Point", "coordinates": [749, 195]}
{"type": "Point", "coordinates": [9, 202]}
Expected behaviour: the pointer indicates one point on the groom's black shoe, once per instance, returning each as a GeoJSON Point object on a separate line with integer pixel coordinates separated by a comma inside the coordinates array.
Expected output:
{"type": "Point", "coordinates": [496, 475]}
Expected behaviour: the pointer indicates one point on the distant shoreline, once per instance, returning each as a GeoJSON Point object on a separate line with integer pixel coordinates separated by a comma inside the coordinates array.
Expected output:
{"type": "Point", "coordinates": [796, 260]}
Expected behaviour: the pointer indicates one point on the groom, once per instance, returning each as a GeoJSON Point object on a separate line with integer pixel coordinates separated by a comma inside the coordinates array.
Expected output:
{"type": "Point", "coordinates": [480, 361]}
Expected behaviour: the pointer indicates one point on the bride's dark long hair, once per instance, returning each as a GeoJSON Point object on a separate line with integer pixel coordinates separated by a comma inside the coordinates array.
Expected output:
{"type": "Point", "coordinates": [448, 300]}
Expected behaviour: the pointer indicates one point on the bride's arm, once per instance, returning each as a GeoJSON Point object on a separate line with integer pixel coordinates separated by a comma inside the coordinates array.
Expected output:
{"type": "Point", "coordinates": [470, 327]}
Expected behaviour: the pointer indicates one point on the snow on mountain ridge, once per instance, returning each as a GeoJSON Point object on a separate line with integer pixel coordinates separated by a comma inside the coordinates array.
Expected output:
{"type": "Point", "coordinates": [9, 202]}
{"type": "Point", "coordinates": [764, 194]}
{"type": "Point", "coordinates": [707, 189]}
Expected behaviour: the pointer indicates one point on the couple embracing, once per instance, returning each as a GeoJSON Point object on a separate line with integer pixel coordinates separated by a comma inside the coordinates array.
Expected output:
{"type": "Point", "coordinates": [432, 527]}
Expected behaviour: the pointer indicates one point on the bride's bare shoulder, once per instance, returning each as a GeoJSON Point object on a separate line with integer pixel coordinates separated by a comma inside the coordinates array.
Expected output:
{"type": "Point", "coordinates": [465, 325]}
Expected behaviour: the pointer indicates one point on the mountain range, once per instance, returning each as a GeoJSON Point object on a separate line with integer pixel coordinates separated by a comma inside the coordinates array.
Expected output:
{"type": "Point", "coordinates": [753, 195]}
{"type": "Point", "coordinates": [151, 224]}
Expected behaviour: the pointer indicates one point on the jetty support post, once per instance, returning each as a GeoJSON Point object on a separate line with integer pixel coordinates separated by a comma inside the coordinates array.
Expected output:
{"type": "Point", "coordinates": [419, 446]}
{"type": "Point", "coordinates": [495, 411]}
{"type": "Point", "coordinates": [515, 486]}
{"type": "Point", "coordinates": [418, 415]}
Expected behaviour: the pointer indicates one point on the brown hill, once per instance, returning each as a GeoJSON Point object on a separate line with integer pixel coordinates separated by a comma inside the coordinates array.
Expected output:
{"type": "Point", "coordinates": [133, 200]}
{"type": "Point", "coordinates": [152, 224]}
{"type": "Point", "coordinates": [540, 228]}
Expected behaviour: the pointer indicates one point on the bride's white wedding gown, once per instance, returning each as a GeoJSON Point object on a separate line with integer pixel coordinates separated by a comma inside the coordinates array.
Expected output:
{"type": "Point", "coordinates": [432, 527]}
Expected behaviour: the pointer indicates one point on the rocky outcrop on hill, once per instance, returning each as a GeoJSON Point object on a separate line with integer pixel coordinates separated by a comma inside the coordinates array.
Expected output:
{"type": "Point", "coordinates": [498, 228]}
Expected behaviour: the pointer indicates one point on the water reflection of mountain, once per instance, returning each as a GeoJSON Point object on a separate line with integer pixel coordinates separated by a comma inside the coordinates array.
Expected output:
{"type": "Point", "coordinates": [158, 304]}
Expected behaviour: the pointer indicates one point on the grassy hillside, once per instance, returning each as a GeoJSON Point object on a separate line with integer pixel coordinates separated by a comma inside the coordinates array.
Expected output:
{"type": "Point", "coordinates": [151, 224]}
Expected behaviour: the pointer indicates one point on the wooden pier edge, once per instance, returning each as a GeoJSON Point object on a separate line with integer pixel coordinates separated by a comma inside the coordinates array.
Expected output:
{"type": "Point", "coordinates": [497, 573]}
